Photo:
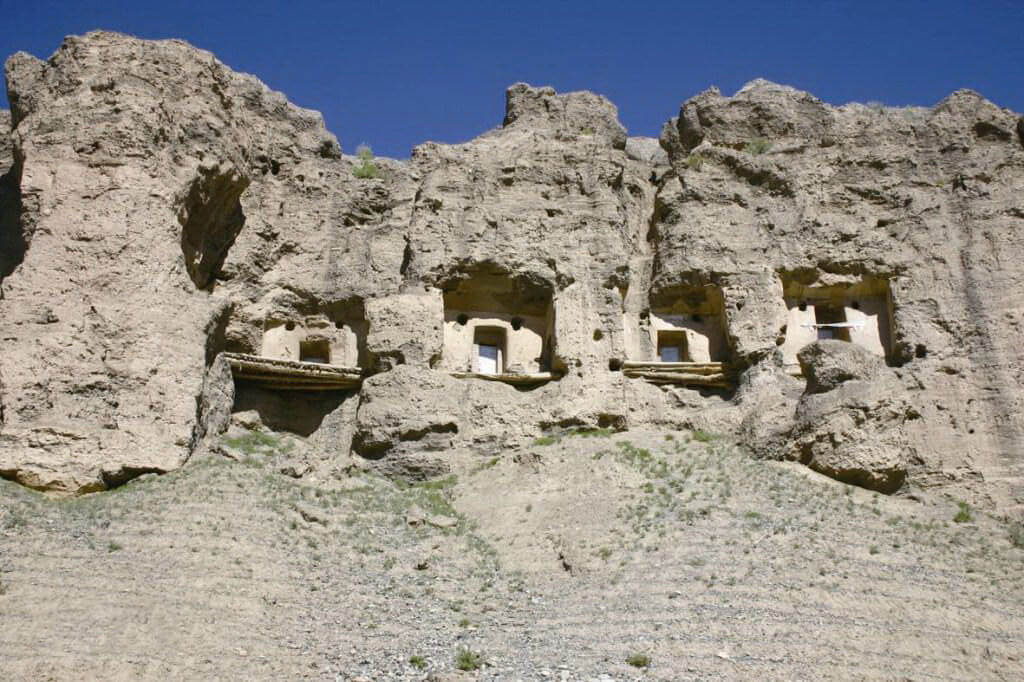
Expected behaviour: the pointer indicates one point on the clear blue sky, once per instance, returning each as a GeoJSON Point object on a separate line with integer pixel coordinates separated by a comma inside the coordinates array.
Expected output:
{"type": "Point", "coordinates": [394, 74]}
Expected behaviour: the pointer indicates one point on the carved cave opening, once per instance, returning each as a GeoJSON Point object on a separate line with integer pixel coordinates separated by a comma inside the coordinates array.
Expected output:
{"type": "Point", "coordinates": [855, 310]}
{"type": "Point", "coordinates": [498, 324]}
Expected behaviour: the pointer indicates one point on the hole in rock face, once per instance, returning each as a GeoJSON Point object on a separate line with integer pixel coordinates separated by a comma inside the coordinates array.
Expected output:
{"type": "Point", "coordinates": [970, 431]}
{"type": "Point", "coordinates": [611, 421]}
{"type": "Point", "coordinates": [803, 306]}
{"type": "Point", "coordinates": [855, 305]}
{"type": "Point", "coordinates": [517, 323]}
{"type": "Point", "coordinates": [615, 364]}
{"type": "Point", "coordinates": [289, 325]}
{"type": "Point", "coordinates": [696, 318]}
{"type": "Point", "coordinates": [598, 335]}
{"type": "Point", "coordinates": [462, 319]}
{"type": "Point", "coordinates": [920, 351]}
{"type": "Point", "coordinates": [13, 240]}
{"type": "Point", "coordinates": [338, 324]}
{"type": "Point", "coordinates": [211, 217]}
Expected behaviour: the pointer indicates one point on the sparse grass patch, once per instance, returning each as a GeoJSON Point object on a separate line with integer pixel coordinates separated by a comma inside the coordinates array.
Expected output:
{"type": "Point", "coordinates": [695, 162]}
{"type": "Point", "coordinates": [468, 660]}
{"type": "Point", "coordinates": [638, 660]}
{"type": "Point", "coordinates": [114, 546]}
{"type": "Point", "coordinates": [963, 515]}
{"type": "Point", "coordinates": [702, 436]}
{"type": "Point", "coordinates": [493, 461]}
{"type": "Point", "coordinates": [418, 662]}
{"type": "Point", "coordinates": [589, 432]}
{"type": "Point", "coordinates": [1017, 535]}
{"type": "Point", "coordinates": [546, 440]}
{"type": "Point", "coordinates": [256, 442]}
{"type": "Point", "coordinates": [757, 146]}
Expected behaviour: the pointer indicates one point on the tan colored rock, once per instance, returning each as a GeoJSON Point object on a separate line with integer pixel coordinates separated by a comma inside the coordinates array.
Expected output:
{"type": "Point", "coordinates": [849, 422]}
{"type": "Point", "coordinates": [831, 199]}
{"type": "Point", "coordinates": [133, 154]}
{"type": "Point", "coordinates": [163, 210]}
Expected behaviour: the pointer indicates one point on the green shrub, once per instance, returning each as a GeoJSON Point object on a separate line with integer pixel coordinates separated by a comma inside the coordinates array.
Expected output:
{"type": "Point", "coordinates": [546, 440]}
{"type": "Point", "coordinates": [366, 168]}
{"type": "Point", "coordinates": [468, 660]}
{"type": "Point", "coordinates": [702, 436]}
{"type": "Point", "coordinates": [638, 660]}
{"type": "Point", "coordinates": [1017, 535]}
{"type": "Point", "coordinates": [418, 662]}
{"type": "Point", "coordinates": [590, 432]}
{"type": "Point", "coordinates": [757, 146]}
{"type": "Point", "coordinates": [964, 513]}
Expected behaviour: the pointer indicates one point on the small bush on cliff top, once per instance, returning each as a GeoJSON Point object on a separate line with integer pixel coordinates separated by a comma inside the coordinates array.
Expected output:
{"type": "Point", "coordinates": [366, 168]}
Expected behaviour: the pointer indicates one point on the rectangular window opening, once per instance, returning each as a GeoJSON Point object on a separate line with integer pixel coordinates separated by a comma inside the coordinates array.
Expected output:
{"type": "Point", "coordinates": [315, 350]}
{"type": "Point", "coordinates": [672, 346]}
{"type": "Point", "coordinates": [825, 314]}
{"type": "Point", "coordinates": [489, 349]}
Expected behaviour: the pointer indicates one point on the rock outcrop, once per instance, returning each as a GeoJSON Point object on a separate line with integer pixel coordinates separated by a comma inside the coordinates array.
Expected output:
{"type": "Point", "coordinates": [850, 421]}
{"type": "Point", "coordinates": [167, 210]}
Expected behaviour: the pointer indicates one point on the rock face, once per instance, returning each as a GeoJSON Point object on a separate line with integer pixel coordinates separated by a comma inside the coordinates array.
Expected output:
{"type": "Point", "coordinates": [132, 156]}
{"type": "Point", "coordinates": [850, 421]}
{"type": "Point", "coordinates": [167, 210]}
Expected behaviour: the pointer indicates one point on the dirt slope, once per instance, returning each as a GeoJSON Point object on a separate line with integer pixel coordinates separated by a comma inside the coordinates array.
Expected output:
{"type": "Point", "coordinates": [555, 561]}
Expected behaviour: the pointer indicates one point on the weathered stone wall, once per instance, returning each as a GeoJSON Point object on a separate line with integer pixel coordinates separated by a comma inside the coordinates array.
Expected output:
{"type": "Point", "coordinates": [173, 209]}
{"type": "Point", "coordinates": [927, 199]}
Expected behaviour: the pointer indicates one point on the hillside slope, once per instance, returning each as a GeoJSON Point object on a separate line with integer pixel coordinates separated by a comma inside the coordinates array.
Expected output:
{"type": "Point", "coordinates": [556, 560]}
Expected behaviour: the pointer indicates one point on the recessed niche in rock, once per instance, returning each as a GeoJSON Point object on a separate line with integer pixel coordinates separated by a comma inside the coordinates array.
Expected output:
{"type": "Point", "coordinates": [211, 217]}
{"type": "Point", "coordinates": [682, 341]}
{"type": "Point", "coordinates": [13, 240]}
{"type": "Point", "coordinates": [858, 312]}
{"type": "Point", "coordinates": [306, 346]}
{"type": "Point", "coordinates": [498, 327]}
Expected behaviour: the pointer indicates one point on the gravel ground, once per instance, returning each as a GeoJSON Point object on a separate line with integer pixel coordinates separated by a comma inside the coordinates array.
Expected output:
{"type": "Point", "coordinates": [593, 556]}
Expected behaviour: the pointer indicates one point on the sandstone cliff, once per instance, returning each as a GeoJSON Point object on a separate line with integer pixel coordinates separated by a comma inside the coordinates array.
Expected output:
{"type": "Point", "coordinates": [169, 210]}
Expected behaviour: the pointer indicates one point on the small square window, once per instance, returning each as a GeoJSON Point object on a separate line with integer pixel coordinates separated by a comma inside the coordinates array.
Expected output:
{"type": "Point", "coordinates": [671, 346]}
{"type": "Point", "coordinates": [318, 351]}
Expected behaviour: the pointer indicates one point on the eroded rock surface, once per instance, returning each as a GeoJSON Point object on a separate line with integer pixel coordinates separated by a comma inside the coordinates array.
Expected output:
{"type": "Point", "coordinates": [850, 421]}
{"type": "Point", "coordinates": [168, 210]}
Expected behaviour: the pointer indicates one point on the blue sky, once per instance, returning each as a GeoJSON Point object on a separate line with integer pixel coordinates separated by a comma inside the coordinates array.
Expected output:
{"type": "Point", "coordinates": [394, 74]}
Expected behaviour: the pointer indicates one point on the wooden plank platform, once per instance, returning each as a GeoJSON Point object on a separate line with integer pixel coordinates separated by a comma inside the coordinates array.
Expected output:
{"type": "Point", "coordinates": [514, 379]}
{"type": "Point", "coordinates": [711, 374]}
{"type": "Point", "coordinates": [293, 375]}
